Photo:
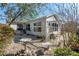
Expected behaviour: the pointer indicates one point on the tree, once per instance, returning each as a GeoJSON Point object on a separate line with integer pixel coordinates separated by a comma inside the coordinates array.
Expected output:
{"type": "Point", "coordinates": [69, 13]}
{"type": "Point", "coordinates": [17, 11]}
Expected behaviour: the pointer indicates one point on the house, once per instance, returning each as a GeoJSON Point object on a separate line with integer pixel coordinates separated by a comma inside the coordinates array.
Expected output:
{"type": "Point", "coordinates": [44, 27]}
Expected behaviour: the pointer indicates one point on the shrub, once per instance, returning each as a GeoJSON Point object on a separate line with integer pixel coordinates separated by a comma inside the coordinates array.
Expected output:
{"type": "Point", "coordinates": [74, 37]}
{"type": "Point", "coordinates": [74, 53]}
{"type": "Point", "coordinates": [75, 47]}
{"type": "Point", "coordinates": [65, 52]}
{"type": "Point", "coordinates": [62, 52]}
{"type": "Point", "coordinates": [52, 36]}
{"type": "Point", "coordinates": [6, 33]}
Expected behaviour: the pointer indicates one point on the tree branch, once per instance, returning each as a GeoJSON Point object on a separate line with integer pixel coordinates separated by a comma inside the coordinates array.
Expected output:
{"type": "Point", "coordinates": [19, 13]}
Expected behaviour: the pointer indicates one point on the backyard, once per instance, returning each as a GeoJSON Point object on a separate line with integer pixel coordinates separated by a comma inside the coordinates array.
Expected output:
{"type": "Point", "coordinates": [45, 29]}
{"type": "Point", "coordinates": [34, 46]}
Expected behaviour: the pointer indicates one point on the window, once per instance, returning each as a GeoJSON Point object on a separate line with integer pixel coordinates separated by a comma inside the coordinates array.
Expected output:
{"type": "Point", "coordinates": [28, 27]}
{"type": "Point", "coordinates": [53, 26]}
{"type": "Point", "coordinates": [37, 27]}
{"type": "Point", "coordinates": [37, 24]}
{"type": "Point", "coordinates": [20, 27]}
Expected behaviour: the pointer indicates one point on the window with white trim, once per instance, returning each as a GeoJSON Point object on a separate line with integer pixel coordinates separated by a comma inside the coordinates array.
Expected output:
{"type": "Point", "coordinates": [53, 26]}
{"type": "Point", "coordinates": [37, 27]}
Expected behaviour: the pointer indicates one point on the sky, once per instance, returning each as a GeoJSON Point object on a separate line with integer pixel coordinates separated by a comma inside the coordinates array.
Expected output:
{"type": "Point", "coordinates": [43, 12]}
{"type": "Point", "coordinates": [2, 20]}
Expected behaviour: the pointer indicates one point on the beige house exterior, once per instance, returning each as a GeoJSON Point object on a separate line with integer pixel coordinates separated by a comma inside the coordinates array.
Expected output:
{"type": "Point", "coordinates": [43, 27]}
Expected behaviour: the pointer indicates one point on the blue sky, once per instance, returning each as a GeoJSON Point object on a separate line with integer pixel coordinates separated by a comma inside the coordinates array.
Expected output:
{"type": "Point", "coordinates": [50, 9]}
{"type": "Point", "coordinates": [44, 11]}
{"type": "Point", "coordinates": [2, 20]}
